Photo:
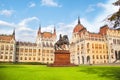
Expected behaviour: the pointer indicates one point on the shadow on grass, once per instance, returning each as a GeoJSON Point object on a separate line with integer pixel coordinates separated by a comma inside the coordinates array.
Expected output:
{"type": "Point", "coordinates": [112, 73]}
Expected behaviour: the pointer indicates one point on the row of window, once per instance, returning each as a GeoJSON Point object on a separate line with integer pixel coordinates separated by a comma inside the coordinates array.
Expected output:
{"type": "Point", "coordinates": [5, 57]}
{"type": "Point", "coordinates": [93, 46]}
{"type": "Point", "coordinates": [33, 50]}
{"type": "Point", "coordinates": [21, 54]}
{"type": "Point", "coordinates": [116, 41]}
{"type": "Point", "coordinates": [6, 52]}
{"type": "Point", "coordinates": [97, 51]}
{"type": "Point", "coordinates": [30, 58]}
{"type": "Point", "coordinates": [97, 62]}
{"type": "Point", "coordinates": [6, 47]}
{"type": "Point", "coordinates": [96, 46]}
{"type": "Point", "coordinates": [26, 50]}
{"type": "Point", "coordinates": [100, 57]}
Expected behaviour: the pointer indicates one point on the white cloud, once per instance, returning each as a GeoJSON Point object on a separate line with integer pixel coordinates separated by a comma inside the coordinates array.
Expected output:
{"type": "Point", "coordinates": [93, 26]}
{"type": "Point", "coordinates": [90, 8]}
{"type": "Point", "coordinates": [4, 23]}
{"type": "Point", "coordinates": [50, 3]}
{"type": "Point", "coordinates": [101, 18]}
{"type": "Point", "coordinates": [108, 10]}
{"type": "Point", "coordinates": [23, 31]}
{"type": "Point", "coordinates": [32, 4]}
{"type": "Point", "coordinates": [6, 12]}
{"type": "Point", "coordinates": [27, 20]}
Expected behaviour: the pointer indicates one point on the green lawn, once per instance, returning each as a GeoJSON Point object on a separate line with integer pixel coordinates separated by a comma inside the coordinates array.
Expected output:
{"type": "Point", "coordinates": [40, 72]}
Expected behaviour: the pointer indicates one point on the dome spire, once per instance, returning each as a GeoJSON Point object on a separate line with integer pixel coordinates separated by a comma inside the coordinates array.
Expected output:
{"type": "Point", "coordinates": [13, 34]}
{"type": "Point", "coordinates": [78, 20]}
{"type": "Point", "coordinates": [39, 31]}
{"type": "Point", "coordinates": [54, 31]}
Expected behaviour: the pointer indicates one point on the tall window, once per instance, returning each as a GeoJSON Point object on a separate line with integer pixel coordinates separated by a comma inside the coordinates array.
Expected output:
{"type": "Point", "coordinates": [25, 58]}
{"type": "Point", "coordinates": [6, 57]}
{"type": "Point", "coordinates": [11, 47]}
{"type": "Point", "coordinates": [2, 47]}
{"type": "Point", "coordinates": [96, 46]}
{"type": "Point", "coordinates": [21, 50]}
{"type": "Point", "coordinates": [17, 49]}
{"type": "Point", "coordinates": [93, 46]}
{"type": "Point", "coordinates": [30, 50]}
{"type": "Point", "coordinates": [97, 57]}
{"type": "Point", "coordinates": [78, 47]}
{"type": "Point", "coordinates": [10, 57]}
{"type": "Point", "coordinates": [93, 57]}
{"type": "Point", "coordinates": [87, 45]}
{"type": "Point", "coordinates": [114, 41]}
{"type": "Point", "coordinates": [100, 47]}
{"type": "Point", "coordinates": [7, 47]}
{"type": "Point", "coordinates": [34, 50]}
{"type": "Point", "coordinates": [39, 50]}
{"type": "Point", "coordinates": [26, 50]}
{"type": "Point", "coordinates": [1, 57]}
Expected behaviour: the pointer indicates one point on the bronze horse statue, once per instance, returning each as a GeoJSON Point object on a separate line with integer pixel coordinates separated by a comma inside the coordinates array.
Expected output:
{"type": "Point", "coordinates": [62, 40]}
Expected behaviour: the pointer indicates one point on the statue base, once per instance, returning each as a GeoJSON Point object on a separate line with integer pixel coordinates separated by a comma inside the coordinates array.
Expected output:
{"type": "Point", "coordinates": [62, 58]}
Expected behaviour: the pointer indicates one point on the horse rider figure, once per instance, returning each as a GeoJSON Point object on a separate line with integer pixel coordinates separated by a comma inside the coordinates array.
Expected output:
{"type": "Point", "coordinates": [62, 41]}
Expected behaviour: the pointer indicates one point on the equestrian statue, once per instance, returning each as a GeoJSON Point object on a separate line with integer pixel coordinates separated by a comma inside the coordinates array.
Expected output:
{"type": "Point", "coordinates": [62, 43]}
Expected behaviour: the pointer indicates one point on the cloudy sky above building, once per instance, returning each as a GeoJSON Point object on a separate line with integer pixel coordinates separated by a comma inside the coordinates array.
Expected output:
{"type": "Point", "coordinates": [25, 16]}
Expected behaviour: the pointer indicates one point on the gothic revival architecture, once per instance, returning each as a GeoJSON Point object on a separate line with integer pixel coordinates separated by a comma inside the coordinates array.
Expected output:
{"type": "Point", "coordinates": [85, 47]}
{"type": "Point", "coordinates": [7, 47]}
{"type": "Point", "coordinates": [15, 51]}
{"type": "Point", "coordinates": [95, 48]}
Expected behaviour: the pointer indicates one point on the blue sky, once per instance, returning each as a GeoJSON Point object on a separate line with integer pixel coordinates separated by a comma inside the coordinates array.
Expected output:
{"type": "Point", "coordinates": [26, 15]}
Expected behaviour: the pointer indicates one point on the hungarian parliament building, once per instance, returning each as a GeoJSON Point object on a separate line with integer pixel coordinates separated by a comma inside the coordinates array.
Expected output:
{"type": "Point", "coordinates": [85, 47]}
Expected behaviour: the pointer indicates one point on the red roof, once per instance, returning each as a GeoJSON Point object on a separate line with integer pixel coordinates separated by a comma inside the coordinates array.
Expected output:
{"type": "Point", "coordinates": [77, 28]}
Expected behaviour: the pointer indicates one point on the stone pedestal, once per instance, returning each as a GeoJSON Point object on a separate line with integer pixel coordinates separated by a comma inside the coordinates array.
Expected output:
{"type": "Point", "coordinates": [62, 58]}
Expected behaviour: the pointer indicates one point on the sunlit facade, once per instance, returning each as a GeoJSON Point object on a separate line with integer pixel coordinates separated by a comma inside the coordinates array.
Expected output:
{"type": "Point", "coordinates": [95, 48]}
{"type": "Point", "coordinates": [16, 51]}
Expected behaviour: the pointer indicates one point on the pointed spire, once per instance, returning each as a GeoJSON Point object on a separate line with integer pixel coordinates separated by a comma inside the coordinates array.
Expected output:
{"type": "Point", "coordinates": [54, 30]}
{"type": "Point", "coordinates": [78, 20]}
{"type": "Point", "coordinates": [39, 30]}
{"type": "Point", "coordinates": [13, 34]}
{"type": "Point", "coordinates": [39, 27]}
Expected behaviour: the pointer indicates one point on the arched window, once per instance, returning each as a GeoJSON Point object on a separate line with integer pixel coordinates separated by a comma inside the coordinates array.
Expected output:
{"type": "Point", "coordinates": [100, 56]}
{"type": "Point", "coordinates": [88, 45]}
{"type": "Point", "coordinates": [20, 58]}
{"type": "Point", "coordinates": [93, 46]}
{"type": "Point", "coordinates": [7, 47]}
{"type": "Point", "coordinates": [11, 47]}
{"type": "Point", "coordinates": [1, 57]}
{"type": "Point", "coordinates": [25, 58]}
{"type": "Point", "coordinates": [93, 57]}
{"type": "Point", "coordinates": [88, 59]}
{"type": "Point", "coordinates": [104, 56]}
{"type": "Point", "coordinates": [97, 57]}
{"type": "Point", "coordinates": [116, 54]}
{"type": "Point", "coordinates": [114, 41]}
{"type": "Point", "coordinates": [2, 47]}
{"type": "Point", "coordinates": [82, 59]}
{"type": "Point", "coordinates": [29, 58]}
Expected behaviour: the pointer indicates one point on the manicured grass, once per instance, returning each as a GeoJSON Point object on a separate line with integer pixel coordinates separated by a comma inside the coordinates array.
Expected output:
{"type": "Point", "coordinates": [42, 72]}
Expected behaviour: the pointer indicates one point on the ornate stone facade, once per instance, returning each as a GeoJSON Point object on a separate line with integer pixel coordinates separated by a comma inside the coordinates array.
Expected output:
{"type": "Point", "coordinates": [85, 47]}
{"type": "Point", "coordinates": [95, 48]}
{"type": "Point", "coordinates": [15, 51]}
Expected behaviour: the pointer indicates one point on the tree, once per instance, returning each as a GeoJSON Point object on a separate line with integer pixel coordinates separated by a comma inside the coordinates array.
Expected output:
{"type": "Point", "coordinates": [116, 16]}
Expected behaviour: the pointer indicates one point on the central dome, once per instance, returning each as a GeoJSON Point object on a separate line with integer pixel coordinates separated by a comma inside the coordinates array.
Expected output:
{"type": "Point", "coordinates": [47, 35]}
{"type": "Point", "coordinates": [78, 27]}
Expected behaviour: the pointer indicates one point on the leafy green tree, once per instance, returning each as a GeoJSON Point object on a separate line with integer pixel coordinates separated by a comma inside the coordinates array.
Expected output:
{"type": "Point", "coordinates": [116, 16]}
